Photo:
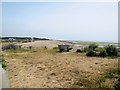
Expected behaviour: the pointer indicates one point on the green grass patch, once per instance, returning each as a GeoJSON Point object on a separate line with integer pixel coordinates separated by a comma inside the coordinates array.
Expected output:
{"type": "Point", "coordinates": [107, 75]}
{"type": "Point", "coordinates": [2, 62]}
{"type": "Point", "coordinates": [17, 50]}
{"type": "Point", "coordinates": [117, 85]}
{"type": "Point", "coordinates": [27, 53]}
{"type": "Point", "coordinates": [33, 50]}
{"type": "Point", "coordinates": [4, 66]}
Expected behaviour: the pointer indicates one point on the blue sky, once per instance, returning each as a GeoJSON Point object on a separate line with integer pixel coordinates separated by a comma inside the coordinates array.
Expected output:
{"type": "Point", "coordinates": [85, 21]}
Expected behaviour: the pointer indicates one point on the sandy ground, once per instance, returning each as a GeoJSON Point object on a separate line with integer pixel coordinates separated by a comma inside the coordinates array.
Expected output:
{"type": "Point", "coordinates": [51, 44]}
{"type": "Point", "coordinates": [43, 68]}
{"type": "Point", "coordinates": [55, 70]}
{"type": "Point", "coordinates": [43, 43]}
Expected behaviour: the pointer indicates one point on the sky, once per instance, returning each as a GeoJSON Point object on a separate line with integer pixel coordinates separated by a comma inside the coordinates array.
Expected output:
{"type": "Point", "coordinates": [84, 21]}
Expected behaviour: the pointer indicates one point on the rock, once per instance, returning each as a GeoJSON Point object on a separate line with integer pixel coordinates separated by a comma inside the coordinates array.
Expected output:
{"type": "Point", "coordinates": [96, 63]}
{"type": "Point", "coordinates": [53, 74]}
{"type": "Point", "coordinates": [91, 66]}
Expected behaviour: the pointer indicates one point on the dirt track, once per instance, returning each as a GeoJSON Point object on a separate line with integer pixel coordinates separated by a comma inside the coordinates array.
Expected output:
{"type": "Point", "coordinates": [44, 43]}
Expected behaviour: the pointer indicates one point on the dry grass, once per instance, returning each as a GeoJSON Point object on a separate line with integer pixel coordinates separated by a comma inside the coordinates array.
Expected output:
{"type": "Point", "coordinates": [37, 68]}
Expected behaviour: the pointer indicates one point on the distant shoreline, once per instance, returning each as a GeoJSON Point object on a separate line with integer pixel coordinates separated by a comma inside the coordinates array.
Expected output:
{"type": "Point", "coordinates": [74, 41]}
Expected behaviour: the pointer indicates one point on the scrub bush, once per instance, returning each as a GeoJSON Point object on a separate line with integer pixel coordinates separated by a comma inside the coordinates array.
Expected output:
{"type": "Point", "coordinates": [103, 53]}
{"type": "Point", "coordinates": [111, 50]}
{"type": "Point", "coordinates": [91, 53]}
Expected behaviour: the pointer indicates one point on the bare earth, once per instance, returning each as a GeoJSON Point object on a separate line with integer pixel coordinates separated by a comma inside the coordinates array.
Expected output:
{"type": "Point", "coordinates": [43, 68]}
{"type": "Point", "coordinates": [43, 43]}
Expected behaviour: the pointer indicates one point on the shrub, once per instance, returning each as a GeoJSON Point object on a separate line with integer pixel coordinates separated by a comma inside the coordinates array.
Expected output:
{"type": "Point", "coordinates": [86, 49]}
{"type": "Point", "coordinates": [9, 46]}
{"type": "Point", "coordinates": [25, 41]}
{"type": "Point", "coordinates": [91, 53]}
{"type": "Point", "coordinates": [118, 55]}
{"type": "Point", "coordinates": [56, 48]}
{"type": "Point", "coordinates": [90, 47]}
{"type": "Point", "coordinates": [3, 66]}
{"type": "Point", "coordinates": [117, 85]}
{"type": "Point", "coordinates": [98, 49]}
{"type": "Point", "coordinates": [93, 46]}
{"type": "Point", "coordinates": [111, 50]}
{"type": "Point", "coordinates": [2, 61]}
{"type": "Point", "coordinates": [103, 53]}
{"type": "Point", "coordinates": [79, 50]}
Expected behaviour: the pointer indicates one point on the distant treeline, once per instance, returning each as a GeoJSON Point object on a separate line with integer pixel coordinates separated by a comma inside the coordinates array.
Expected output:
{"type": "Point", "coordinates": [34, 38]}
{"type": "Point", "coordinates": [23, 38]}
{"type": "Point", "coordinates": [16, 37]}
